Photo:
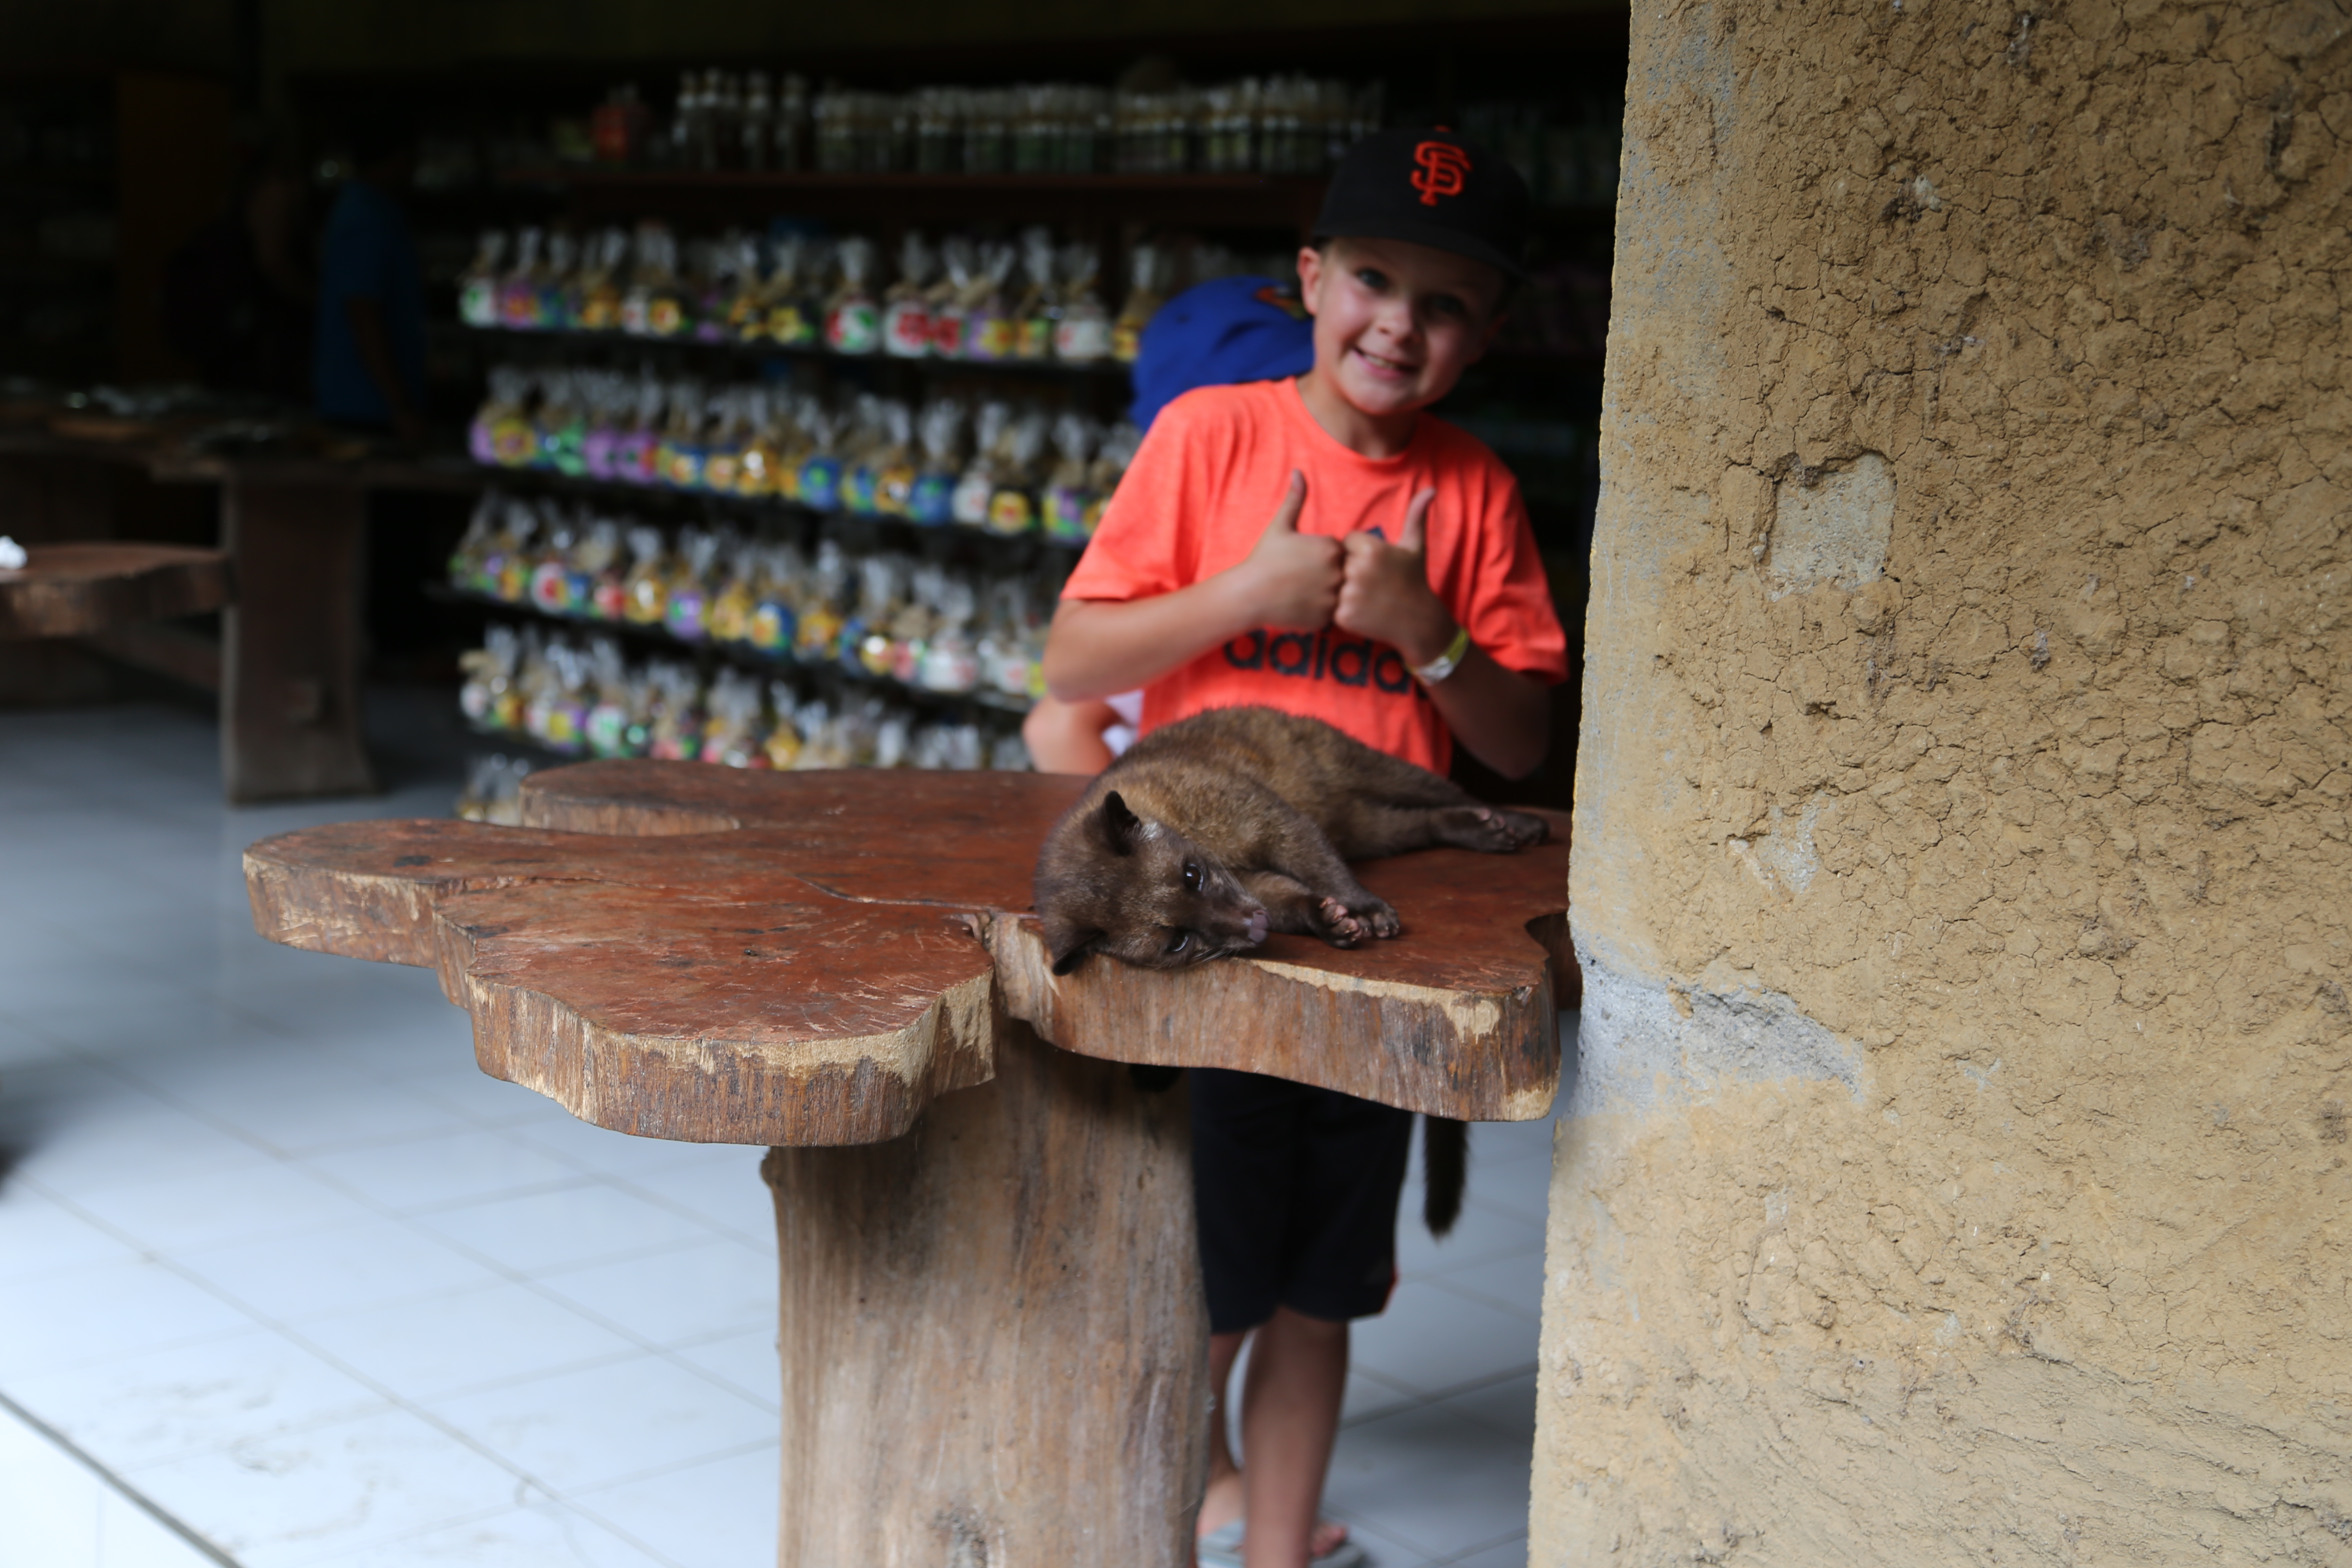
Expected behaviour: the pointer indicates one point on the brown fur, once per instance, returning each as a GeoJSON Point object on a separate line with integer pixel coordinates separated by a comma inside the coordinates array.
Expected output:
{"type": "Point", "coordinates": [1237, 821]}
{"type": "Point", "coordinates": [1210, 833]}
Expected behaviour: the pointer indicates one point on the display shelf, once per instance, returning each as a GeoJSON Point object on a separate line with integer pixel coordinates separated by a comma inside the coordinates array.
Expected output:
{"type": "Point", "coordinates": [1094, 371]}
{"type": "Point", "coordinates": [1288, 202]}
{"type": "Point", "coordinates": [830, 671]}
{"type": "Point", "coordinates": [1009, 548]}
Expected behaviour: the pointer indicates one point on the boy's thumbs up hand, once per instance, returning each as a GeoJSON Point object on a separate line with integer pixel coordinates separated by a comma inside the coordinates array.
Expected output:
{"type": "Point", "coordinates": [1292, 579]}
{"type": "Point", "coordinates": [1384, 591]}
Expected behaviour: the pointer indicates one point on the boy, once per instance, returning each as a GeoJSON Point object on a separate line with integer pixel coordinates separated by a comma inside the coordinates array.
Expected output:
{"type": "Point", "coordinates": [1396, 592]}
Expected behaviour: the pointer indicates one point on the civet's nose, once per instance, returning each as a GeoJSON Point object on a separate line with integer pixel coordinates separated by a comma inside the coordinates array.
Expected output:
{"type": "Point", "coordinates": [1257, 925]}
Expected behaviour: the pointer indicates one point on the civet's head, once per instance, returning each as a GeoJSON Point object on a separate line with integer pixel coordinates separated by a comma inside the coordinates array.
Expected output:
{"type": "Point", "coordinates": [1109, 881]}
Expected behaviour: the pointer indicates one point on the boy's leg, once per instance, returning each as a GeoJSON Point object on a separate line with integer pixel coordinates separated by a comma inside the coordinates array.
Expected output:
{"type": "Point", "coordinates": [1290, 1414]}
{"type": "Point", "coordinates": [1223, 1503]}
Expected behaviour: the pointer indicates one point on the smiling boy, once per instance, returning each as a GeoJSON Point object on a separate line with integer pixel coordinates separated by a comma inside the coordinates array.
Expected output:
{"type": "Point", "coordinates": [1323, 546]}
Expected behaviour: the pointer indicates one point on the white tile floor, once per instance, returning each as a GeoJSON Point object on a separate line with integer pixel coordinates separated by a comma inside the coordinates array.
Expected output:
{"type": "Point", "coordinates": [287, 1277]}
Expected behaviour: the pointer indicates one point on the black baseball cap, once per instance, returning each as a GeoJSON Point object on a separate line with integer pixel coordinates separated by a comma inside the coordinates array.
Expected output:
{"type": "Point", "coordinates": [1430, 187]}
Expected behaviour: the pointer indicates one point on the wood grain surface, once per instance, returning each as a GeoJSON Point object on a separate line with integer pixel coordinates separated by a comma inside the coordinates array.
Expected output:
{"type": "Point", "coordinates": [707, 954]}
{"type": "Point", "coordinates": [993, 1332]}
{"type": "Point", "coordinates": [76, 590]}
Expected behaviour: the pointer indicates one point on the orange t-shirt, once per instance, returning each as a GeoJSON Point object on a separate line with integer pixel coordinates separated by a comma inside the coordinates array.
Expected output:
{"type": "Point", "coordinates": [1210, 477]}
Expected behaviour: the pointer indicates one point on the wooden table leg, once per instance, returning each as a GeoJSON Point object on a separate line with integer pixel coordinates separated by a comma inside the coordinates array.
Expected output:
{"type": "Point", "coordinates": [994, 1339]}
{"type": "Point", "coordinates": [289, 676]}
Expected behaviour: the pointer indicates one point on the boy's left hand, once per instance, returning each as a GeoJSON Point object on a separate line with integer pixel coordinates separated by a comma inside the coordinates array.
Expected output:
{"type": "Point", "coordinates": [1384, 591]}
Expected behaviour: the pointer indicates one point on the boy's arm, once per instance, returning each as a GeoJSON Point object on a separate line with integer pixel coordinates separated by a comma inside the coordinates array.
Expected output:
{"type": "Point", "coordinates": [1503, 717]}
{"type": "Point", "coordinates": [1289, 580]}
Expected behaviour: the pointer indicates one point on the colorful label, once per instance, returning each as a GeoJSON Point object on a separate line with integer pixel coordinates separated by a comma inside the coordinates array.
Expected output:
{"type": "Point", "coordinates": [1065, 511]}
{"type": "Point", "coordinates": [932, 500]}
{"type": "Point", "coordinates": [770, 630]}
{"type": "Point", "coordinates": [791, 326]}
{"type": "Point", "coordinates": [1011, 512]}
{"type": "Point", "coordinates": [859, 487]}
{"type": "Point", "coordinates": [907, 328]}
{"type": "Point", "coordinates": [993, 336]}
{"type": "Point", "coordinates": [853, 326]}
{"type": "Point", "coordinates": [685, 613]}
{"type": "Point", "coordinates": [821, 484]}
{"type": "Point", "coordinates": [948, 325]}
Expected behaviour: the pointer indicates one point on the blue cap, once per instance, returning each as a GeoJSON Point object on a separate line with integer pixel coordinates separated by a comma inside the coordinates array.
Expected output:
{"type": "Point", "coordinates": [1217, 333]}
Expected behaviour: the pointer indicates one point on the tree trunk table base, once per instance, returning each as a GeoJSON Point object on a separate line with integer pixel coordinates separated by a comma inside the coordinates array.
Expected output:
{"type": "Point", "coordinates": [994, 1337]}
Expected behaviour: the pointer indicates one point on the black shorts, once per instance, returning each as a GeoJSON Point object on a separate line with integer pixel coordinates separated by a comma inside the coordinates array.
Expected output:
{"type": "Point", "coordinates": [1296, 1189]}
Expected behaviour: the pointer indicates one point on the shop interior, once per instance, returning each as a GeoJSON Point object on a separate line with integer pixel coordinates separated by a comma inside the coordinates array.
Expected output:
{"type": "Point", "coordinates": [773, 387]}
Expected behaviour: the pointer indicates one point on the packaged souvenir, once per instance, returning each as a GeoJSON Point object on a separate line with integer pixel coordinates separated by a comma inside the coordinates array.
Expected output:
{"type": "Point", "coordinates": [865, 644]}
{"type": "Point", "coordinates": [558, 282]}
{"type": "Point", "coordinates": [599, 583]}
{"type": "Point", "coordinates": [674, 732]}
{"type": "Point", "coordinates": [783, 743]}
{"type": "Point", "coordinates": [636, 450]}
{"type": "Point", "coordinates": [861, 445]}
{"type": "Point", "coordinates": [490, 672]}
{"type": "Point", "coordinates": [686, 610]}
{"type": "Point", "coordinates": [478, 289]}
{"type": "Point", "coordinates": [893, 739]}
{"type": "Point", "coordinates": [730, 428]}
{"type": "Point", "coordinates": [1068, 497]}
{"type": "Point", "coordinates": [1082, 335]}
{"type": "Point", "coordinates": [730, 735]}
{"type": "Point", "coordinates": [550, 589]}
{"type": "Point", "coordinates": [796, 317]}
{"type": "Point", "coordinates": [1012, 506]}
{"type": "Point", "coordinates": [746, 319]}
{"type": "Point", "coordinates": [795, 444]}
{"type": "Point", "coordinates": [618, 708]}
{"type": "Point", "coordinates": [991, 327]}
{"type": "Point", "coordinates": [493, 789]}
{"type": "Point", "coordinates": [562, 718]}
{"type": "Point", "coordinates": [1117, 451]}
{"type": "Point", "coordinates": [714, 275]}
{"type": "Point", "coordinates": [677, 461]}
{"type": "Point", "coordinates": [654, 306]}
{"type": "Point", "coordinates": [775, 610]}
{"type": "Point", "coordinates": [645, 591]}
{"type": "Point", "coordinates": [969, 503]}
{"type": "Point", "coordinates": [513, 563]}
{"type": "Point", "coordinates": [465, 562]}
{"type": "Point", "coordinates": [501, 431]}
{"type": "Point", "coordinates": [906, 309]}
{"type": "Point", "coordinates": [597, 295]}
{"type": "Point", "coordinates": [894, 463]}
{"type": "Point", "coordinates": [932, 500]}
{"type": "Point", "coordinates": [819, 489]}
{"type": "Point", "coordinates": [730, 610]}
{"type": "Point", "coordinates": [818, 631]}
{"type": "Point", "coordinates": [561, 424]}
{"type": "Point", "coordinates": [758, 461]}
{"type": "Point", "coordinates": [949, 297]}
{"type": "Point", "coordinates": [606, 398]}
{"type": "Point", "coordinates": [912, 624]}
{"type": "Point", "coordinates": [519, 299]}
{"type": "Point", "coordinates": [950, 662]}
{"type": "Point", "coordinates": [1147, 275]}
{"type": "Point", "coordinates": [1040, 310]}
{"type": "Point", "coordinates": [852, 321]}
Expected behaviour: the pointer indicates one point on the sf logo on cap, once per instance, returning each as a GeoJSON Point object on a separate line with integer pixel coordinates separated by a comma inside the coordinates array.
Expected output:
{"type": "Point", "coordinates": [1441, 167]}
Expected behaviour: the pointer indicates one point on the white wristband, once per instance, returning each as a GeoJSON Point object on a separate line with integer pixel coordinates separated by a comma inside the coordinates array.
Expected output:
{"type": "Point", "coordinates": [1445, 663]}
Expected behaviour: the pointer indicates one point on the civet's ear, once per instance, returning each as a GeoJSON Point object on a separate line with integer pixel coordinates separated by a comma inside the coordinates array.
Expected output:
{"type": "Point", "coordinates": [1119, 827]}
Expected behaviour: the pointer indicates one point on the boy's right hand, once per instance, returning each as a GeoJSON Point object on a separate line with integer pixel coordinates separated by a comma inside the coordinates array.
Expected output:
{"type": "Point", "coordinates": [1293, 578]}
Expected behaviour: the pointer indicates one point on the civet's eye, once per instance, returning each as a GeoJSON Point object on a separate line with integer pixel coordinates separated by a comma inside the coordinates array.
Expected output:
{"type": "Point", "coordinates": [1193, 875]}
{"type": "Point", "coordinates": [1179, 942]}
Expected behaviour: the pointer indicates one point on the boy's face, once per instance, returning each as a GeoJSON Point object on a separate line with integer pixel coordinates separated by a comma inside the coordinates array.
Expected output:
{"type": "Point", "coordinates": [1397, 324]}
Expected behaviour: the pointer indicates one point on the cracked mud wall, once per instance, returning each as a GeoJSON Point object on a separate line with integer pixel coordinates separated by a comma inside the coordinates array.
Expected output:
{"type": "Point", "coordinates": [1958, 1167]}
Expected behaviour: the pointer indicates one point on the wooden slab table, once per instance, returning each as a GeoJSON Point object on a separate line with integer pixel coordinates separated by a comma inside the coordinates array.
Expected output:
{"type": "Point", "coordinates": [994, 1341]}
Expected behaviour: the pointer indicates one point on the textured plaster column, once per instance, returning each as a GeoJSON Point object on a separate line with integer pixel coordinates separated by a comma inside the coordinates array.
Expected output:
{"type": "Point", "coordinates": [1957, 1170]}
